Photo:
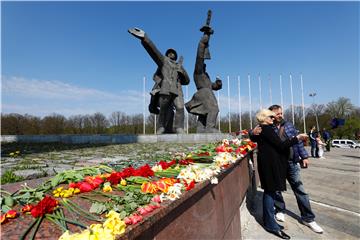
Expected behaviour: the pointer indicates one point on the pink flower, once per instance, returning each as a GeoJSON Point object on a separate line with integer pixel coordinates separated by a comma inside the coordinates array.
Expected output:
{"type": "Point", "coordinates": [127, 221]}
{"type": "Point", "coordinates": [156, 199]}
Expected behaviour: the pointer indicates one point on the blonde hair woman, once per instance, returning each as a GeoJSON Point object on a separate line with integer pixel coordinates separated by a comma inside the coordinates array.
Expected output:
{"type": "Point", "coordinates": [272, 165]}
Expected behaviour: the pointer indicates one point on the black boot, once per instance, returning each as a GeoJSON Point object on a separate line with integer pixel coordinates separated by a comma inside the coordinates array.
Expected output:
{"type": "Point", "coordinates": [281, 234]}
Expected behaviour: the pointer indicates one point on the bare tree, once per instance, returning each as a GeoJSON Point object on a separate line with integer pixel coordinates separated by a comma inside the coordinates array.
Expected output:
{"type": "Point", "coordinates": [117, 121]}
{"type": "Point", "coordinates": [75, 124]}
{"type": "Point", "coordinates": [99, 123]}
{"type": "Point", "coordinates": [53, 124]}
{"type": "Point", "coordinates": [137, 123]}
{"type": "Point", "coordinates": [11, 124]}
{"type": "Point", "coordinates": [31, 125]}
{"type": "Point", "coordinates": [340, 108]}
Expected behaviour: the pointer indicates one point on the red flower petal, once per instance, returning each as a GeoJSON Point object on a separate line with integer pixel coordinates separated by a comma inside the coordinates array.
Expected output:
{"type": "Point", "coordinates": [11, 214]}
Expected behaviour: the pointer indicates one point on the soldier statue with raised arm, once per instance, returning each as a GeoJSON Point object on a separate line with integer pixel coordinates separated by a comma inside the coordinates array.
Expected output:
{"type": "Point", "coordinates": [203, 103]}
{"type": "Point", "coordinates": [167, 91]}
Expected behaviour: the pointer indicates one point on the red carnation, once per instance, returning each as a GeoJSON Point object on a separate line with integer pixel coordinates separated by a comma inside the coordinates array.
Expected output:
{"type": "Point", "coordinates": [46, 205]}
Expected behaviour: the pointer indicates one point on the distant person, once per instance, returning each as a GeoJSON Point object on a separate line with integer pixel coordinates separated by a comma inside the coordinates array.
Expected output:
{"type": "Point", "coordinates": [327, 139]}
{"type": "Point", "coordinates": [314, 147]}
{"type": "Point", "coordinates": [320, 145]}
{"type": "Point", "coordinates": [299, 156]}
{"type": "Point", "coordinates": [272, 167]}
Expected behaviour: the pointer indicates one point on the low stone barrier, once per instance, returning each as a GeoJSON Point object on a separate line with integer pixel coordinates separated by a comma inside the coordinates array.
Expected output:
{"type": "Point", "coordinates": [115, 138]}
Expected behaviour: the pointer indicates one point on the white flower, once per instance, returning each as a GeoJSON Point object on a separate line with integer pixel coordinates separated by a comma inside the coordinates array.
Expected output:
{"type": "Point", "coordinates": [225, 142]}
{"type": "Point", "coordinates": [224, 158]}
{"type": "Point", "coordinates": [157, 168]}
{"type": "Point", "coordinates": [236, 141]}
{"type": "Point", "coordinates": [172, 196]}
{"type": "Point", "coordinates": [214, 180]}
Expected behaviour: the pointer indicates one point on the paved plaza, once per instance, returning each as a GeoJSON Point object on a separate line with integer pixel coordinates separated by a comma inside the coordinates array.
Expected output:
{"type": "Point", "coordinates": [333, 186]}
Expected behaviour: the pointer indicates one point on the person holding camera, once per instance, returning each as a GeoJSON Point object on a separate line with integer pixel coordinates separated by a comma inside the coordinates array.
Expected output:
{"type": "Point", "coordinates": [298, 157]}
{"type": "Point", "coordinates": [272, 167]}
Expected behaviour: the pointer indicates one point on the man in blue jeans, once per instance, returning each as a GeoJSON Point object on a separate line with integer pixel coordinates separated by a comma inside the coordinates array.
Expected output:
{"type": "Point", "coordinates": [314, 146]}
{"type": "Point", "coordinates": [298, 154]}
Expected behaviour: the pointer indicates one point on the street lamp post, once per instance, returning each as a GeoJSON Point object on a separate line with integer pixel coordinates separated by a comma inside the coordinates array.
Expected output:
{"type": "Point", "coordinates": [316, 117]}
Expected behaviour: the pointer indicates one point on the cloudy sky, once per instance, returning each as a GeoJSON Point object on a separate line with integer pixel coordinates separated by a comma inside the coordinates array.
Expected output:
{"type": "Point", "coordinates": [78, 58]}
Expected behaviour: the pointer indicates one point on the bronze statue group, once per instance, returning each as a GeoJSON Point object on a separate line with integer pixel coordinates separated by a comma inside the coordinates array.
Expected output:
{"type": "Point", "coordinates": [167, 100]}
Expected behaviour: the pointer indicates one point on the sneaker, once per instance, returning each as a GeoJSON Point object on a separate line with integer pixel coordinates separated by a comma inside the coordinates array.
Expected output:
{"type": "Point", "coordinates": [280, 217]}
{"type": "Point", "coordinates": [314, 226]}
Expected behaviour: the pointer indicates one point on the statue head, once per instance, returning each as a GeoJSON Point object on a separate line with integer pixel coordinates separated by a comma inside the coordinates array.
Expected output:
{"type": "Point", "coordinates": [171, 53]}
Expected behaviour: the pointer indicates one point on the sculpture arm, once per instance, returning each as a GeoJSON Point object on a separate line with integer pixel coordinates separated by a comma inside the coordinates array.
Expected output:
{"type": "Point", "coordinates": [149, 46]}
{"type": "Point", "coordinates": [199, 64]}
{"type": "Point", "coordinates": [183, 76]}
{"type": "Point", "coordinates": [217, 85]}
{"type": "Point", "coordinates": [152, 50]}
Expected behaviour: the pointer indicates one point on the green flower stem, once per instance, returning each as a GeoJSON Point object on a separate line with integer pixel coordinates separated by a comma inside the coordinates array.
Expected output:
{"type": "Point", "coordinates": [89, 198]}
{"type": "Point", "coordinates": [56, 222]}
{"type": "Point", "coordinates": [63, 216]}
{"type": "Point", "coordinates": [58, 212]}
{"type": "Point", "coordinates": [97, 192]}
{"type": "Point", "coordinates": [22, 237]}
{"type": "Point", "coordinates": [2, 191]}
{"type": "Point", "coordinates": [106, 168]}
{"type": "Point", "coordinates": [67, 220]}
{"type": "Point", "coordinates": [75, 208]}
{"type": "Point", "coordinates": [36, 227]}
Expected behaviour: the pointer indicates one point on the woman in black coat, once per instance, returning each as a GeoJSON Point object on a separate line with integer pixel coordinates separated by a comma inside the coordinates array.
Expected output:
{"type": "Point", "coordinates": [272, 164]}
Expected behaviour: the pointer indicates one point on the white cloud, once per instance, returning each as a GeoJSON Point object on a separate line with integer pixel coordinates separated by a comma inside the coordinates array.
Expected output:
{"type": "Point", "coordinates": [44, 97]}
{"type": "Point", "coordinates": [49, 89]}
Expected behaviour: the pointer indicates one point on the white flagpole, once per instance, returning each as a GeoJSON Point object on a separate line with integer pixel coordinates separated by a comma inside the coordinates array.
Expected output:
{"type": "Point", "coordinates": [187, 114]}
{"type": "Point", "coordinates": [228, 80]}
{"type": "Point", "coordinates": [144, 79]}
{"type": "Point", "coordinates": [218, 99]}
{"type": "Point", "coordinates": [281, 93]}
{"type": "Point", "coordinates": [270, 90]}
{"type": "Point", "coordinates": [302, 101]}
{"type": "Point", "coordinates": [292, 101]}
{"type": "Point", "coordinates": [239, 110]}
{"type": "Point", "coordinates": [260, 92]}
{"type": "Point", "coordinates": [154, 123]}
{"type": "Point", "coordinates": [250, 102]}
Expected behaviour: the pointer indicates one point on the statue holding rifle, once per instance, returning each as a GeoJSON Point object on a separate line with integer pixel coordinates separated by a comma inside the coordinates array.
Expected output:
{"type": "Point", "coordinates": [204, 103]}
{"type": "Point", "coordinates": [167, 92]}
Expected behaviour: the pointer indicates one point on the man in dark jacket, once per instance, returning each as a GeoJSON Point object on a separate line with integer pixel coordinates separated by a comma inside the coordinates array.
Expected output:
{"type": "Point", "coordinates": [327, 137]}
{"type": "Point", "coordinates": [298, 154]}
{"type": "Point", "coordinates": [314, 146]}
{"type": "Point", "coordinates": [167, 91]}
{"type": "Point", "coordinates": [204, 103]}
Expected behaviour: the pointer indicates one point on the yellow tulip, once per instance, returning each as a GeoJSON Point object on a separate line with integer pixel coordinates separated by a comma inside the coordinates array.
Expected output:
{"type": "Point", "coordinates": [107, 189]}
{"type": "Point", "coordinates": [123, 182]}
